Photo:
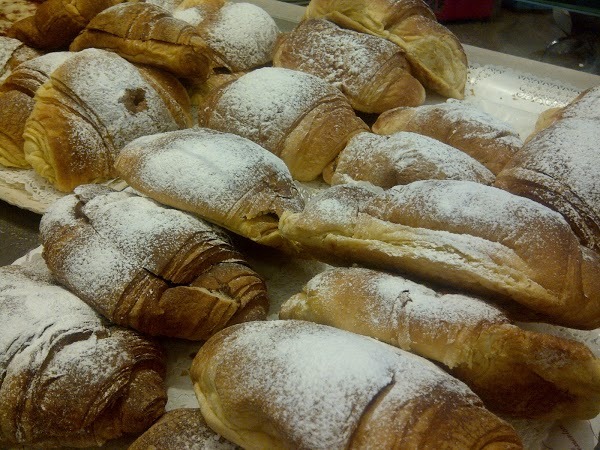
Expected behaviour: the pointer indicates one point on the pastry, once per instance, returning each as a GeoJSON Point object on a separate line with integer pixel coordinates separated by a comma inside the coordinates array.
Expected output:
{"type": "Point", "coordinates": [221, 177]}
{"type": "Point", "coordinates": [82, 118]}
{"type": "Point", "coordinates": [436, 56]}
{"type": "Point", "coordinates": [468, 235]}
{"type": "Point", "coordinates": [372, 72]}
{"type": "Point", "coordinates": [12, 53]}
{"type": "Point", "coordinates": [459, 124]}
{"type": "Point", "coordinates": [295, 384]}
{"type": "Point", "coordinates": [148, 34]}
{"type": "Point", "coordinates": [67, 378]}
{"type": "Point", "coordinates": [515, 372]}
{"type": "Point", "coordinates": [158, 270]}
{"type": "Point", "coordinates": [297, 116]}
{"type": "Point", "coordinates": [402, 158]}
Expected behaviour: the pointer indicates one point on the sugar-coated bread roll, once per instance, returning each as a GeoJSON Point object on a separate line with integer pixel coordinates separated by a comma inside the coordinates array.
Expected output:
{"type": "Point", "coordinates": [509, 368]}
{"type": "Point", "coordinates": [295, 384]}
{"type": "Point", "coordinates": [243, 35]}
{"type": "Point", "coordinates": [468, 235]}
{"type": "Point", "coordinates": [554, 167]}
{"type": "Point", "coordinates": [181, 429]}
{"type": "Point", "coordinates": [12, 53]}
{"type": "Point", "coordinates": [68, 379]}
{"type": "Point", "coordinates": [459, 124]}
{"type": "Point", "coordinates": [297, 116]}
{"type": "Point", "coordinates": [92, 105]}
{"type": "Point", "coordinates": [148, 34]}
{"type": "Point", "coordinates": [223, 178]}
{"type": "Point", "coordinates": [371, 71]}
{"type": "Point", "coordinates": [402, 158]}
{"type": "Point", "coordinates": [436, 56]}
{"type": "Point", "coordinates": [158, 270]}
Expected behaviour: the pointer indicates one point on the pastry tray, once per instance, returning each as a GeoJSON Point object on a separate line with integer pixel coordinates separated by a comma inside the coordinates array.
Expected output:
{"type": "Point", "coordinates": [513, 89]}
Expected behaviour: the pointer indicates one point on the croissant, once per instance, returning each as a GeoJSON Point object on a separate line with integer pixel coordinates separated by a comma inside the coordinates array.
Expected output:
{"type": "Point", "coordinates": [221, 177]}
{"type": "Point", "coordinates": [16, 103]}
{"type": "Point", "coordinates": [402, 158]}
{"type": "Point", "coordinates": [553, 167]}
{"type": "Point", "coordinates": [66, 377]}
{"type": "Point", "coordinates": [436, 56]}
{"type": "Point", "coordinates": [148, 34]}
{"type": "Point", "coordinates": [509, 368]}
{"type": "Point", "coordinates": [56, 22]}
{"type": "Point", "coordinates": [242, 35]}
{"type": "Point", "coordinates": [297, 116]}
{"type": "Point", "coordinates": [468, 235]}
{"type": "Point", "coordinates": [14, 52]}
{"type": "Point", "coordinates": [296, 384]}
{"type": "Point", "coordinates": [157, 270]}
{"type": "Point", "coordinates": [82, 118]}
{"type": "Point", "coordinates": [459, 124]}
{"type": "Point", "coordinates": [372, 72]}
{"type": "Point", "coordinates": [179, 429]}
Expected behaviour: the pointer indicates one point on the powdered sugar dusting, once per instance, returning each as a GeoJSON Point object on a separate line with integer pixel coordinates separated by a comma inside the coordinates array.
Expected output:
{"type": "Point", "coordinates": [7, 47]}
{"type": "Point", "coordinates": [193, 16]}
{"type": "Point", "coordinates": [587, 107]}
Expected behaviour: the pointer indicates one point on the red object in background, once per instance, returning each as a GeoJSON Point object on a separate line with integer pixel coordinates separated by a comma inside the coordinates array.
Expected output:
{"type": "Point", "coordinates": [446, 10]}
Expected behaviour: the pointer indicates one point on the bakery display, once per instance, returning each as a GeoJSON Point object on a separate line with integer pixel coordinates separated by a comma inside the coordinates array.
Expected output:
{"type": "Point", "coordinates": [181, 429]}
{"type": "Point", "coordinates": [459, 124]}
{"type": "Point", "coordinates": [468, 235]}
{"type": "Point", "coordinates": [372, 72]}
{"type": "Point", "coordinates": [435, 55]}
{"type": "Point", "coordinates": [402, 158]}
{"type": "Point", "coordinates": [67, 377]}
{"type": "Point", "coordinates": [295, 384]}
{"type": "Point", "coordinates": [82, 118]}
{"type": "Point", "coordinates": [223, 178]}
{"type": "Point", "coordinates": [554, 166]}
{"type": "Point", "coordinates": [514, 371]}
{"type": "Point", "coordinates": [297, 116]}
{"type": "Point", "coordinates": [148, 34]}
{"type": "Point", "coordinates": [154, 269]}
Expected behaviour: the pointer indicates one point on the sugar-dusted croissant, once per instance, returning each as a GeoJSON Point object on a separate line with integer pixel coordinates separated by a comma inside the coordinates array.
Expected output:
{"type": "Point", "coordinates": [436, 56]}
{"type": "Point", "coordinates": [295, 384]}
{"type": "Point", "coordinates": [459, 124]}
{"type": "Point", "coordinates": [555, 167]}
{"type": "Point", "coordinates": [13, 53]}
{"type": "Point", "coordinates": [221, 177]}
{"type": "Point", "coordinates": [16, 103]}
{"type": "Point", "coordinates": [464, 234]}
{"type": "Point", "coordinates": [148, 34]}
{"type": "Point", "coordinates": [371, 71]}
{"type": "Point", "coordinates": [158, 270]}
{"type": "Point", "coordinates": [515, 372]}
{"type": "Point", "coordinates": [181, 429]}
{"type": "Point", "coordinates": [402, 158]}
{"type": "Point", "coordinates": [297, 116]}
{"type": "Point", "coordinates": [56, 22]}
{"type": "Point", "coordinates": [243, 35]}
{"type": "Point", "coordinates": [66, 377]}
{"type": "Point", "coordinates": [92, 105]}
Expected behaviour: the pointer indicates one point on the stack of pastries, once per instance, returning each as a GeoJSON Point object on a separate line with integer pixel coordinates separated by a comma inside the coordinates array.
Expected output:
{"type": "Point", "coordinates": [437, 234]}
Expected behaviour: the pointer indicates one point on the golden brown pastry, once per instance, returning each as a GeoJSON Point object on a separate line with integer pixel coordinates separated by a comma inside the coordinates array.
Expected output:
{"type": "Point", "coordinates": [555, 167]}
{"type": "Point", "coordinates": [372, 72]}
{"type": "Point", "coordinates": [402, 158]}
{"type": "Point", "coordinates": [56, 22]}
{"type": "Point", "coordinates": [200, 91]}
{"type": "Point", "coordinates": [221, 177]}
{"type": "Point", "coordinates": [148, 34]}
{"type": "Point", "coordinates": [157, 270]}
{"type": "Point", "coordinates": [459, 124]}
{"type": "Point", "coordinates": [295, 384]}
{"type": "Point", "coordinates": [66, 377]}
{"type": "Point", "coordinates": [243, 35]}
{"type": "Point", "coordinates": [468, 235]}
{"type": "Point", "coordinates": [436, 56]}
{"type": "Point", "coordinates": [297, 116]}
{"type": "Point", "coordinates": [82, 117]}
{"type": "Point", "coordinates": [12, 53]}
{"type": "Point", "coordinates": [181, 429]}
{"type": "Point", "coordinates": [515, 372]}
